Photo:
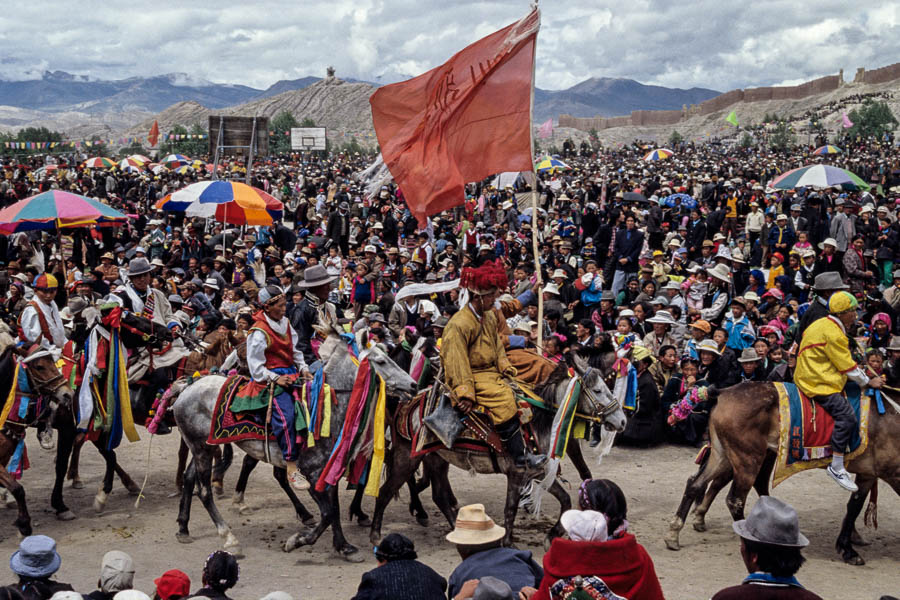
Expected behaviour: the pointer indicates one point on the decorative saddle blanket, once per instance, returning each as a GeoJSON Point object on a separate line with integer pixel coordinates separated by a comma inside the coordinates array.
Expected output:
{"type": "Point", "coordinates": [230, 427]}
{"type": "Point", "coordinates": [804, 440]}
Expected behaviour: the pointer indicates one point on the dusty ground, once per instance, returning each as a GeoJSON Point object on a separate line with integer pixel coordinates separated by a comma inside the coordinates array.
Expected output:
{"type": "Point", "coordinates": [652, 479]}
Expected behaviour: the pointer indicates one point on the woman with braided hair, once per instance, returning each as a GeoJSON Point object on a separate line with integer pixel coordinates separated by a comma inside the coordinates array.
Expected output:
{"type": "Point", "coordinates": [220, 574]}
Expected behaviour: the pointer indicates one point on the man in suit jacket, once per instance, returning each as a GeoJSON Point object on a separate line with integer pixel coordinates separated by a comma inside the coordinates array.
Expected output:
{"type": "Point", "coordinates": [797, 222]}
{"type": "Point", "coordinates": [338, 229]}
{"type": "Point", "coordinates": [629, 243]}
{"type": "Point", "coordinates": [696, 233]}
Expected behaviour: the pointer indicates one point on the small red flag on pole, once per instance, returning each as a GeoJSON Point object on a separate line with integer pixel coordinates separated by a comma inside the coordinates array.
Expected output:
{"type": "Point", "coordinates": [153, 136]}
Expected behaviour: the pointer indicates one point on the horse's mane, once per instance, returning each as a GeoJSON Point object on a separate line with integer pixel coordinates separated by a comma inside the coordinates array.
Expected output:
{"type": "Point", "coordinates": [6, 338]}
{"type": "Point", "coordinates": [547, 390]}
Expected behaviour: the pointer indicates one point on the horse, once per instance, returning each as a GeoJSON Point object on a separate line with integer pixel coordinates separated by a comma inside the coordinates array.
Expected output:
{"type": "Point", "coordinates": [595, 399]}
{"type": "Point", "coordinates": [744, 427]}
{"type": "Point", "coordinates": [45, 379]}
{"type": "Point", "coordinates": [193, 413]}
{"type": "Point", "coordinates": [136, 332]}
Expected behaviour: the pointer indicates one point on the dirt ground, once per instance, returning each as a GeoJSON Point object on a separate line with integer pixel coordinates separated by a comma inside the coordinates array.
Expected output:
{"type": "Point", "coordinates": [653, 481]}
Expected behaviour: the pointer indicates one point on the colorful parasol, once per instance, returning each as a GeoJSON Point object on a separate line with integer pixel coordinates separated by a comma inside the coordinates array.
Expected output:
{"type": "Point", "coordinates": [827, 149]}
{"type": "Point", "coordinates": [659, 154]}
{"type": "Point", "coordinates": [682, 199]}
{"type": "Point", "coordinates": [140, 158]}
{"type": "Point", "coordinates": [818, 176]}
{"type": "Point", "coordinates": [227, 201]}
{"type": "Point", "coordinates": [175, 160]}
{"type": "Point", "coordinates": [184, 169]}
{"type": "Point", "coordinates": [548, 163]}
{"type": "Point", "coordinates": [130, 162]}
{"type": "Point", "coordinates": [98, 162]}
{"type": "Point", "coordinates": [55, 209]}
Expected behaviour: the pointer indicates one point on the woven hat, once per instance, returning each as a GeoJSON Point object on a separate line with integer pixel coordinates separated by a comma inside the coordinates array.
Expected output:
{"type": "Point", "coordinates": [709, 346]}
{"type": "Point", "coordinates": [474, 527]}
{"type": "Point", "coordinates": [551, 288]}
{"type": "Point", "coordinates": [772, 521]}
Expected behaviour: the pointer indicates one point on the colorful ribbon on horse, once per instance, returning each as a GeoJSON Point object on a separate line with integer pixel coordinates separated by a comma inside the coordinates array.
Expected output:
{"type": "Point", "coordinates": [562, 421]}
{"type": "Point", "coordinates": [11, 398]}
{"type": "Point", "coordinates": [378, 446]}
{"type": "Point", "coordinates": [118, 398]}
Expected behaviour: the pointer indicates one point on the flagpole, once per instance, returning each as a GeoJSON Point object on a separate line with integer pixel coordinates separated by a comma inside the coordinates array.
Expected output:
{"type": "Point", "coordinates": [534, 204]}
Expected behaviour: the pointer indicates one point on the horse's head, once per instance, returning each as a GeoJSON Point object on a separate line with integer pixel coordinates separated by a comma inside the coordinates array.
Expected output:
{"type": "Point", "coordinates": [43, 375]}
{"type": "Point", "coordinates": [396, 380]}
{"type": "Point", "coordinates": [596, 398]}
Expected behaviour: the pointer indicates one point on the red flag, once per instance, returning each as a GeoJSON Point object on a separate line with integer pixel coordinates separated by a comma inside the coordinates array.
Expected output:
{"type": "Point", "coordinates": [461, 121]}
{"type": "Point", "coordinates": [153, 136]}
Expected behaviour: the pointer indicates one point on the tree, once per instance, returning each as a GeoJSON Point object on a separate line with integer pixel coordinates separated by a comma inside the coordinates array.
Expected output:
{"type": "Point", "coordinates": [783, 136]}
{"type": "Point", "coordinates": [282, 124]}
{"type": "Point", "coordinates": [192, 145]}
{"type": "Point", "coordinates": [675, 138]}
{"type": "Point", "coordinates": [872, 119]}
{"type": "Point", "coordinates": [134, 148]}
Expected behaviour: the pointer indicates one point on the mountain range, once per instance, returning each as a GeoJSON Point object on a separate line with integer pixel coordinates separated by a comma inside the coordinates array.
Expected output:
{"type": "Point", "coordinates": [61, 92]}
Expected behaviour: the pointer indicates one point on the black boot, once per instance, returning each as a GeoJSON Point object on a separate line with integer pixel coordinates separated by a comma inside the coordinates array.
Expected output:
{"type": "Point", "coordinates": [511, 435]}
{"type": "Point", "coordinates": [595, 435]}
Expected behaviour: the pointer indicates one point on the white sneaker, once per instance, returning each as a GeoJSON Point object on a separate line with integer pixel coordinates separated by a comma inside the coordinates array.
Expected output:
{"type": "Point", "coordinates": [842, 478]}
{"type": "Point", "coordinates": [298, 481]}
{"type": "Point", "coordinates": [46, 439]}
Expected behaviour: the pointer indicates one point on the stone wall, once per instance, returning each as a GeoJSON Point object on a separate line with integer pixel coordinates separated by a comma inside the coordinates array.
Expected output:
{"type": "Point", "coordinates": [723, 101]}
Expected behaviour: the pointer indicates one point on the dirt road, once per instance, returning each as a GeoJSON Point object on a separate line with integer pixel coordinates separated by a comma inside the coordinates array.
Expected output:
{"type": "Point", "coordinates": [652, 480]}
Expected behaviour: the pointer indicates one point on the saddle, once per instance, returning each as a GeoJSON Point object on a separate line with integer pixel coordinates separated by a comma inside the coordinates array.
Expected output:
{"type": "Point", "coordinates": [804, 440]}
{"type": "Point", "coordinates": [227, 426]}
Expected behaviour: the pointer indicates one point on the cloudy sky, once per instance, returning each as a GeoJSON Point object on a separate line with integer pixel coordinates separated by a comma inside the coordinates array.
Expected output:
{"type": "Point", "coordinates": [719, 44]}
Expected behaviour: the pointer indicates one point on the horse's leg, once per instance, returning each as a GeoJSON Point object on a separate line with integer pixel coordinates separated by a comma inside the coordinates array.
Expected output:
{"type": "Point", "coordinates": [133, 488]}
{"type": "Point", "coordinates": [415, 502]}
{"type": "Point", "coordinates": [220, 467]}
{"type": "Point", "coordinates": [441, 492]}
{"type": "Point", "coordinates": [307, 518]}
{"type": "Point", "coordinates": [362, 519]}
{"type": "Point", "coordinates": [249, 463]}
{"type": "Point", "coordinates": [715, 486]}
{"type": "Point", "coordinates": [715, 465]}
{"type": "Point", "coordinates": [844, 545]}
{"type": "Point", "coordinates": [746, 466]}
{"type": "Point", "coordinates": [183, 453]}
{"type": "Point", "coordinates": [184, 509]}
{"type": "Point", "coordinates": [565, 503]}
{"type": "Point", "coordinates": [64, 447]}
{"type": "Point", "coordinates": [109, 456]}
{"type": "Point", "coordinates": [761, 485]}
{"type": "Point", "coordinates": [73, 475]}
{"type": "Point", "coordinates": [400, 470]}
{"type": "Point", "coordinates": [577, 457]}
{"type": "Point", "coordinates": [330, 510]}
{"type": "Point", "coordinates": [514, 483]}
{"type": "Point", "coordinates": [23, 520]}
{"type": "Point", "coordinates": [204, 479]}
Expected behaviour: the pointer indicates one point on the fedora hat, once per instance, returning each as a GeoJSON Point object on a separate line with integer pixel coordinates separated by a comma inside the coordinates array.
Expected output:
{"type": "Point", "coordinates": [315, 276]}
{"type": "Point", "coordinates": [721, 272]}
{"type": "Point", "coordinates": [139, 266]}
{"type": "Point", "coordinates": [829, 280]}
{"type": "Point", "coordinates": [474, 527]}
{"type": "Point", "coordinates": [108, 255]}
{"type": "Point", "coordinates": [492, 588]}
{"type": "Point", "coordinates": [211, 283]}
{"type": "Point", "coordinates": [749, 355]}
{"type": "Point", "coordinates": [36, 557]}
{"type": "Point", "coordinates": [895, 344]}
{"type": "Point", "coordinates": [772, 521]}
{"type": "Point", "coordinates": [709, 346]}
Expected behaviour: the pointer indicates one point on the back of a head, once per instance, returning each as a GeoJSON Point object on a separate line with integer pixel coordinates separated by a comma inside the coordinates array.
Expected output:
{"type": "Point", "coordinates": [116, 572]}
{"type": "Point", "coordinates": [395, 546]}
{"type": "Point", "coordinates": [604, 496]}
{"type": "Point", "coordinates": [131, 595]}
{"type": "Point", "coordinates": [221, 571]}
{"type": "Point", "coordinates": [492, 588]}
{"type": "Point", "coordinates": [277, 596]}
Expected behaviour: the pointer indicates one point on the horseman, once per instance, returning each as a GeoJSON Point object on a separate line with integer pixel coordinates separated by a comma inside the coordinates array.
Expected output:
{"type": "Point", "coordinates": [40, 323]}
{"type": "Point", "coordinates": [824, 364]}
{"type": "Point", "coordinates": [316, 286]}
{"type": "Point", "coordinates": [475, 363]}
{"type": "Point", "coordinates": [139, 298]}
{"type": "Point", "coordinates": [274, 362]}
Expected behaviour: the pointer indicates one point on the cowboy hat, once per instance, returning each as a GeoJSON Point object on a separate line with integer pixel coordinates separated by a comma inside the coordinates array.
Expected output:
{"type": "Point", "coordinates": [662, 317]}
{"type": "Point", "coordinates": [474, 527]}
{"type": "Point", "coordinates": [829, 280]}
{"type": "Point", "coordinates": [139, 266]}
{"type": "Point", "coordinates": [749, 355]}
{"type": "Point", "coordinates": [211, 283]}
{"type": "Point", "coordinates": [315, 276]}
{"type": "Point", "coordinates": [721, 272]}
{"type": "Point", "coordinates": [772, 521]}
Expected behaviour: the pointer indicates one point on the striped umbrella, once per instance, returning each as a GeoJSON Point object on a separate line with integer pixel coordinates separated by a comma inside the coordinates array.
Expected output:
{"type": "Point", "coordinates": [130, 162]}
{"type": "Point", "coordinates": [175, 160]}
{"type": "Point", "coordinates": [98, 162]}
{"type": "Point", "coordinates": [659, 154]}
{"type": "Point", "coordinates": [157, 169]}
{"type": "Point", "coordinates": [827, 149]}
{"type": "Point", "coordinates": [140, 157]}
{"type": "Point", "coordinates": [548, 163]}
{"type": "Point", "coordinates": [818, 176]}
{"type": "Point", "coordinates": [228, 201]}
{"type": "Point", "coordinates": [55, 209]}
{"type": "Point", "coordinates": [184, 169]}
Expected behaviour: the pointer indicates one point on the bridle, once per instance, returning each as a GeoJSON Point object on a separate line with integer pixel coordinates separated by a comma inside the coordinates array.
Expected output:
{"type": "Point", "coordinates": [44, 386]}
{"type": "Point", "coordinates": [598, 410]}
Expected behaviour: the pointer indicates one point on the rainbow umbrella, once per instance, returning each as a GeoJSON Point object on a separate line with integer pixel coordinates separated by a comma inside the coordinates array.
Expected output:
{"type": "Point", "coordinates": [98, 162]}
{"type": "Point", "coordinates": [659, 154]}
{"type": "Point", "coordinates": [157, 169]}
{"type": "Point", "coordinates": [130, 162]}
{"type": "Point", "coordinates": [140, 158]}
{"type": "Point", "coordinates": [183, 169]}
{"type": "Point", "coordinates": [827, 149]}
{"type": "Point", "coordinates": [227, 201]}
{"type": "Point", "coordinates": [818, 176]}
{"type": "Point", "coordinates": [548, 163]}
{"type": "Point", "coordinates": [130, 169]}
{"type": "Point", "coordinates": [175, 160]}
{"type": "Point", "coordinates": [55, 209]}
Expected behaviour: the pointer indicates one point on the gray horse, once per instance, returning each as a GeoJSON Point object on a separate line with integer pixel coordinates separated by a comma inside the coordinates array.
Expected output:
{"type": "Point", "coordinates": [596, 399]}
{"type": "Point", "coordinates": [193, 413]}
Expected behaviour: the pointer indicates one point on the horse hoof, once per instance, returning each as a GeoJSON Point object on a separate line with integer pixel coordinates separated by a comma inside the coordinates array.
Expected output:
{"type": "Point", "coordinates": [77, 484]}
{"type": "Point", "coordinates": [292, 543]}
{"type": "Point", "coordinates": [66, 515]}
{"type": "Point", "coordinates": [700, 526]}
{"type": "Point", "coordinates": [351, 554]}
{"type": "Point", "coordinates": [854, 559]}
{"type": "Point", "coordinates": [364, 521]}
{"type": "Point", "coordinates": [422, 520]}
{"type": "Point", "coordinates": [245, 509]}
{"type": "Point", "coordinates": [218, 489]}
{"type": "Point", "coordinates": [184, 538]}
{"type": "Point", "coordinates": [100, 501]}
{"type": "Point", "coordinates": [672, 544]}
{"type": "Point", "coordinates": [133, 489]}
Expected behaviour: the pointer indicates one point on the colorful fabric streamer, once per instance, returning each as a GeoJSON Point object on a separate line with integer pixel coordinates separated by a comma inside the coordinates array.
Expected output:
{"type": "Point", "coordinates": [561, 428]}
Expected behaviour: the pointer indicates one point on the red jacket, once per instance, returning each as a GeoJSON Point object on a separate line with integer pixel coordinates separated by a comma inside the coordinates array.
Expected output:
{"type": "Point", "coordinates": [622, 563]}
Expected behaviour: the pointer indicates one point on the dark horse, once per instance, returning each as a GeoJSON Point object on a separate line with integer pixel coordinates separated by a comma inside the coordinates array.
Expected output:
{"type": "Point", "coordinates": [45, 380]}
{"type": "Point", "coordinates": [744, 429]}
{"type": "Point", "coordinates": [136, 332]}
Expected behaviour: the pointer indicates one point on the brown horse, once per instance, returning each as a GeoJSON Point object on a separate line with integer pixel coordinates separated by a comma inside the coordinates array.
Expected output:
{"type": "Point", "coordinates": [744, 429]}
{"type": "Point", "coordinates": [44, 379]}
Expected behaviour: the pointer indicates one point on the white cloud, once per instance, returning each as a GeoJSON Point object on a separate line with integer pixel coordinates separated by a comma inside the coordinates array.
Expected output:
{"type": "Point", "coordinates": [704, 43]}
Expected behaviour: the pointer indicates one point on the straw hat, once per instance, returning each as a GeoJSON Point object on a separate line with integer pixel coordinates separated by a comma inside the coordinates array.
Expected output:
{"type": "Point", "coordinates": [474, 527]}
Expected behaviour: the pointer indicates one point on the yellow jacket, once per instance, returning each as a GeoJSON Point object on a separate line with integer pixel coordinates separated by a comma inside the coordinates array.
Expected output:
{"type": "Point", "coordinates": [824, 358]}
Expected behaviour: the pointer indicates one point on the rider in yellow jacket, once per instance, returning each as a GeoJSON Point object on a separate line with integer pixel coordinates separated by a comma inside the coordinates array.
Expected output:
{"type": "Point", "coordinates": [824, 364]}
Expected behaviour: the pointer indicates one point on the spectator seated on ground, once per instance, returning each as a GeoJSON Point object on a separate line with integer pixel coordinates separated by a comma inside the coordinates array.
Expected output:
{"type": "Point", "coordinates": [116, 574]}
{"type": "Point", "coordinates": [34, 563]}
{"type": "Point", "coordinates": [172, 585]}
{"type": "Point", "coordinates": [220, 574]}
{"type": "Point", "coordinates": [399, 576]}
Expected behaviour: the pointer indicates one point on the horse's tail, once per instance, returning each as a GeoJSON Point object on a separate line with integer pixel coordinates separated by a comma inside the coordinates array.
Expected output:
{"type": "Point", "coordinates": [712, 394]}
